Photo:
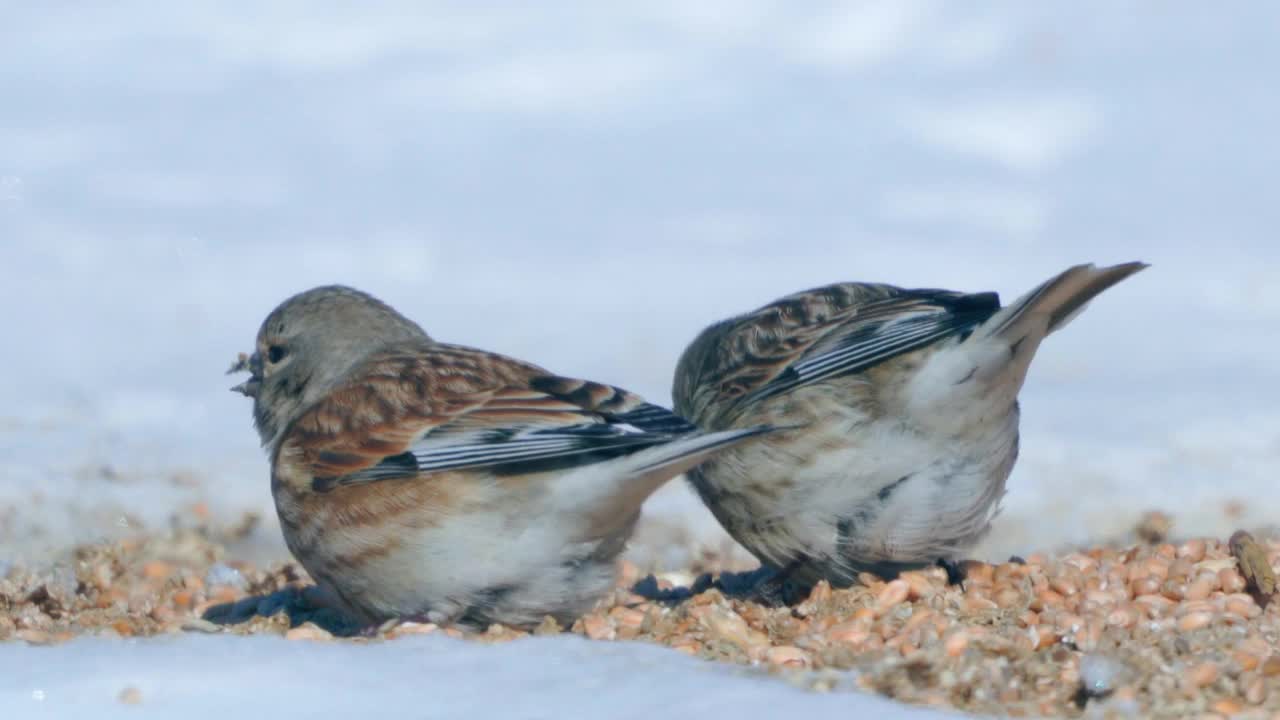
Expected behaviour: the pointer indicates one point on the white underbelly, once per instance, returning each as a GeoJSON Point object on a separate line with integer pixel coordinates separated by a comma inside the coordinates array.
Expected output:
{"type": "Point", "coordinates": [880, 491]}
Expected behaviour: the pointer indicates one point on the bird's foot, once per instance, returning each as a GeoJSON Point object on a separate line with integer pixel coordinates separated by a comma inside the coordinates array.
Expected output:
{"type": "Point", "coordinates": [956, 571]}
{"type": "Point", "coordinates": [781, 587]}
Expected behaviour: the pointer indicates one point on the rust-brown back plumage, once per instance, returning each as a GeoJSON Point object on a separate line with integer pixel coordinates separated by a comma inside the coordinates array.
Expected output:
{"type": "Point", "coordinates": [413, 477]}
{"type": "Point", "coordinates": [404, 393]}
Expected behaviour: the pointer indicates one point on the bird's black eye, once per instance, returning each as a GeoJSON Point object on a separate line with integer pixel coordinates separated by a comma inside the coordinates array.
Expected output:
{"type": "Point", "coordinates": [275, 353]}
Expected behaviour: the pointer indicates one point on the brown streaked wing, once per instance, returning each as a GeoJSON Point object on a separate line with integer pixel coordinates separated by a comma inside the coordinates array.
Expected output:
{"type": "Point", "coordinates": [589, 396]}
{"type": "Point", "coordinates": [400, 396]}
{"type": "Point", "coordinates": [394, 398]}
{"type": "Point", "coordinates": [738, 356]}
{"type": "Point", "coordinates": [813, 336]}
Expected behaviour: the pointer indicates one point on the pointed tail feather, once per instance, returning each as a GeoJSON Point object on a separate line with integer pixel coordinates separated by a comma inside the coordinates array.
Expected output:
{"type": "Point", "coordinates": [685, 454]}
{"type": "Point", "coordinates": [1054, 303]}
{"type": "Point", "coordinates": [609, 508]}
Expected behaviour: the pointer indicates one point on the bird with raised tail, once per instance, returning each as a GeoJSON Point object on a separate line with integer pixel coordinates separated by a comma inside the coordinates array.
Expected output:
{"type": "Point", "coordinates": [419, 479]}
{"type": "Point", "coordinates": [903, 414]}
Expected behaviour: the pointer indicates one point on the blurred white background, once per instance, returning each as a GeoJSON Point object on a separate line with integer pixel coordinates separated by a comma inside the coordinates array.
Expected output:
{"type": "Point", "coordinates": [586, 185]}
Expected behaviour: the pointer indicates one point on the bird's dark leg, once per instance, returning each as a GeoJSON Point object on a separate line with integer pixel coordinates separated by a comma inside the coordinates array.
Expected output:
{"type": "Point", "coordinates": [955, 571]}
{"type": "Point", "coordinates": [781, 587]}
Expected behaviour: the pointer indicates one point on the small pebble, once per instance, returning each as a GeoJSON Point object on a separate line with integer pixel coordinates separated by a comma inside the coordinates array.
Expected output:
{"type": "Point", "coordinates": [956, 643]}
{"type": "Point", "coordinates": [598, 628]}
{"type": "Point", "coordinates": [1042, 637]}
{"type": "Point", "coordinates": [787, 656]}
{"type": "Point", "coordinates": [200, 625]}
{"type": "Point", "coordinates": [1227, 706]}
{"type": "Point", "coordinates": [308, 631]}
{"type": "Point", "coordinates": [157, 570]}
{"type": "Point", "coordinates": [975, 604]}
{"type": "Point", "coordinates": [1192, 550]}
{"type": "Point", "coordinates": [417, 628]}
{"type": "Point", "coordinates": [1197, 676]}
{"type": "Point", "coordinates": [851, 633]}
{"type": "Point", "coordinates": [1199, 590]}
{"type": "Point", "coordinates": [1243, 607]}
{"type": "Point", "coordinates": [1255, 691]}
{"type": "Point", "coordinates": [1246, 660]}
{"type": "Point", "coordinates": [1008, 597]}
{"type": "Point", "coordinates": [820, 593]}
{"type": "Point", "coordinates": [1271, 667]}
{"type": "Point", "coordinates": [629, 618]}
{"type": "Point", "coordinates": [1231, 581]}
{"type": "Point", "coordinates": [1064, 585]}
{"type": "Point", "coordinates": [892, 594]}
{"type": "Point", "coordinates": [919, 585]}
{"type": "Point", "coordinates": [35, 637]}
{"type": "Point", "coordinates": [1146, 585]}
{"type": "Point", "coordinates": [1194, 621]}
{"type": "Point", "coordinates": [1124, 617]}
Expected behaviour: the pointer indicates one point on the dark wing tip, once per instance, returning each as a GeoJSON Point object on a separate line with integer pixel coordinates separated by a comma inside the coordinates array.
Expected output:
{"type": "Point", "coordinates": [613, 404]}
{"type": "Point", "coordinates": [655, 419]}
{"type": "Point", "coordinates": [1124, 270]}
{"type": "Point", "coordinates": [976, 302]}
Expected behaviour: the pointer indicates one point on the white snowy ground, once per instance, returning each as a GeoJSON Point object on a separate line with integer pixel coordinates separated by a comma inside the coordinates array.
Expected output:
{"type": "Point", "coordinates": [587, 186]}
{"type": "Point", "coordinates": [424, 677]}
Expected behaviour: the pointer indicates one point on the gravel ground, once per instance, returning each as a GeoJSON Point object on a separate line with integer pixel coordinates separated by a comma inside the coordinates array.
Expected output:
{"type": "Point", "coordinates": [1152, 629]}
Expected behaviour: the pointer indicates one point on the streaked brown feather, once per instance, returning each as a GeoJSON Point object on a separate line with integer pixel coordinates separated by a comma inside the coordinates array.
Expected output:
{"type": "Point", "coordinates": [401, 394]}
{"type": "Point", "coordinates": [736, 357]}
{"type": "Point", "coordinates": [416, 502]}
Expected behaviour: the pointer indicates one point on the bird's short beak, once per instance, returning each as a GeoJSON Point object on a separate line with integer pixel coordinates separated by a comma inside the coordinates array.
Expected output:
{"type": "Point", "coordinates": [248, 387]}
{"type": "Point", "coordinates": [253, 365]}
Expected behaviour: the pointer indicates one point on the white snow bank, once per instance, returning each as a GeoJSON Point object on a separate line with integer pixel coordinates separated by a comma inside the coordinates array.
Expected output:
{"type": "Point", "coordinates": [428, 677]}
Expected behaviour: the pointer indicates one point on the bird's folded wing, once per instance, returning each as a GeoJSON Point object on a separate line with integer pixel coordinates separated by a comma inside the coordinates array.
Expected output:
{"type": "Point", "coordinates": [838, 330]}
{"type": "Point", "coordinates": [884, 330]}
{"type": "Point", "coordinates": [453, 409]}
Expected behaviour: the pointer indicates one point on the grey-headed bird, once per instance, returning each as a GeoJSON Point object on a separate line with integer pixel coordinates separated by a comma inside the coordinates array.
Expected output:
{"type": "Point", "coordinates": [419, 479]}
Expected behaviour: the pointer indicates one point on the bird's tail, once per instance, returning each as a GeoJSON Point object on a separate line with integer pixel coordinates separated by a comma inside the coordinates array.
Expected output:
{"type": "Point", "coordinates": [1055, 302]}
{"type": "Point", "coordinates": [959, 389]}
{"type": "Point", "coordinates": [682, 455]}
{"type": "Point", "coordinates": [651, 469]}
